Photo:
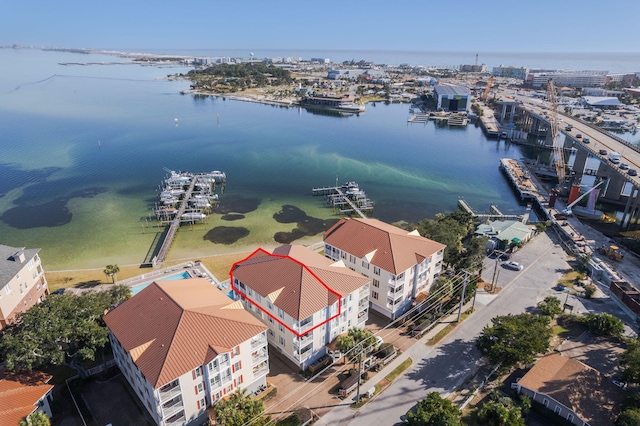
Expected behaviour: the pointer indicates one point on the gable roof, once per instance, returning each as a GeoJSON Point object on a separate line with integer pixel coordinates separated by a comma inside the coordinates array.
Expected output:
{"type": "Point", "coordinates": [583, 389]}
{"type": "Point", "coordinates": [179, 325]}
{"type": "Point", "coordinates": [19, 394]}
{"type": "Point", "coordinates": [391, 248]}
{"type": "Point", "coordinates": [296, 279]}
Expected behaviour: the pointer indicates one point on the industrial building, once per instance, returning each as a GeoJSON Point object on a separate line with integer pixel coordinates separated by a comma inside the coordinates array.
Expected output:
{"type": "Point", "coordinates": [452, 98]}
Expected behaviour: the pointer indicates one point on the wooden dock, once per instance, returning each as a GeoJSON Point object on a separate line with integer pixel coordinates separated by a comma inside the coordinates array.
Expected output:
{"type": "Point", "coordinates": [495, 213]}
{"type": "Point", "coordinates": [173, 227]}
{"type": "Point", "coordinates": [348, 198]}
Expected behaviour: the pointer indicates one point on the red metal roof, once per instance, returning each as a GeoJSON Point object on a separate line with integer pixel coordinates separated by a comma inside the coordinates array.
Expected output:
{"type": "Point", "coordinates": [172, 327]}
{"type": "Point", "coordinates": [19, 394]}
{"type": "Point", "coordinates": [394, 249]}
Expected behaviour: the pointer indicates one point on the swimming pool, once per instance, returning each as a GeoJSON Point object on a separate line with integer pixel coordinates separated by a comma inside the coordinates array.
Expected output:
{"type": "Point", "coordinates": [181, 276]}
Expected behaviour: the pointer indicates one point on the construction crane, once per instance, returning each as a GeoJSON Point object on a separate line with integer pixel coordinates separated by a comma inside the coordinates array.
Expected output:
{"type": "Point", "coordinates": [567, 211]}
{"type": "Point", "coordinates": [556, 136]}
{"type": "Point", "coordinates": [486, 91]}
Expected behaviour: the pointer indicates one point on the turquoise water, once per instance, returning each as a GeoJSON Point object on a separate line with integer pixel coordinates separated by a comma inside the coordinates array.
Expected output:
{"type": "Point", "coordinates": [86, 204]}
{"type": "Point", "coordinates": [138, 288]}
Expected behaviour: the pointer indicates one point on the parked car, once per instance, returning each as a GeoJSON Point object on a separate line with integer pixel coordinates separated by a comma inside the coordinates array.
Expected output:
{"type": "Point", "coordinates": [603, 152]}
{"type": "Point", "coordinates": [624, 166]}
{"type": "Point", "coordinates": [513, 265]}
{"type": "Point", "coordinates": [59, 291]}
{"type": "Point", "coordinates": [632, 172]}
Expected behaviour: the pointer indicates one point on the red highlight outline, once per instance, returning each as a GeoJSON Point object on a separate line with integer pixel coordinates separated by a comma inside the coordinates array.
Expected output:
{"type": "Point", "coordinates": [233, 287]}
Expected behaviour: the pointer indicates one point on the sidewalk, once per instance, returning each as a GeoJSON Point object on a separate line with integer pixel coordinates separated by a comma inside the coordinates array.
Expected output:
{"type": "Point", "coordinates": [340, 415]}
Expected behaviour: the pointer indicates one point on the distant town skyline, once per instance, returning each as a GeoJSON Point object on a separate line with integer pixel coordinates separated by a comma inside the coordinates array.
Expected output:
{"type": "Point", "coordinates": [464, 25]}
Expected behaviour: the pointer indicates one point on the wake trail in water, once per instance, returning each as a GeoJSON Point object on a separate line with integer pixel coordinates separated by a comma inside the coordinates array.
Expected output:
{"type": "Point", "coordinates": [32, 83]}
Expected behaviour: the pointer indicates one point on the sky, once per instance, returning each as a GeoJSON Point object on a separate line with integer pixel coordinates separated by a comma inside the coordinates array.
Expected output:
{"type": "Point", "coordinates": [395, 25]}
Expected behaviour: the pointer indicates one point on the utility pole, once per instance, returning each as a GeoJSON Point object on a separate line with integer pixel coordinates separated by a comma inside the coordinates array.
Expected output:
{"type": "Point", "coordinates": [359, 370]}
{"type": "Point", "coordinates": [464, 289]}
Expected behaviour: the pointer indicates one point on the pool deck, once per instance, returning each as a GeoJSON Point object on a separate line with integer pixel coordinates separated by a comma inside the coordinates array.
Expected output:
{"type": "Point", "coordinates": [195, 269]}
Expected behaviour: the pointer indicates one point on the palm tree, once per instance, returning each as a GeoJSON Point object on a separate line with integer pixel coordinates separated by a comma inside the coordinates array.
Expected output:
{"type": "Point", "coordinates": [112, 271]}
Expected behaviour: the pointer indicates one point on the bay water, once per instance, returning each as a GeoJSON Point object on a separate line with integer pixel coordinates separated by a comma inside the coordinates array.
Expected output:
{"type": "Point", "coordinates": [83, 150]}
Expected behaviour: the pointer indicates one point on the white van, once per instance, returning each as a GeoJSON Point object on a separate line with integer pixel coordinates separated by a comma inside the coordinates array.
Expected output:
{"type": "Point", "coordinates": [614, 157]}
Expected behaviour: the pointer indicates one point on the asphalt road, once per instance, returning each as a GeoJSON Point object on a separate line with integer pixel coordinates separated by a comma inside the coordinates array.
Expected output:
{"type": "Point", "coordinates": [444, 367]}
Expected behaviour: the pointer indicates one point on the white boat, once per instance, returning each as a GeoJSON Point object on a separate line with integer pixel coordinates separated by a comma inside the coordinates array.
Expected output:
{"type": "Point", "coordinates": [193, 216]}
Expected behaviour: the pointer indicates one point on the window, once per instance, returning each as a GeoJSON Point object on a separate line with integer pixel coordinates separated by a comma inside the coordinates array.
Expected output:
{"type": "Point", "coordinates": [280, 313]}
{"type": "Point", "coordinates": [557, 410]}
{"type": "Point", "coordinates": [215, 381]}
{"type": "Point", "coordinates": [352, 259]}
{"type": "Point", "coordinates": [198, 372]}
{"type": "Point", "coordinates": [237, 366]}
{"type": "Point", "coordinates": [199, 387]}
{"type": "Point", "coordinates": [30, 264]}
{"type": "Point", "coordinates": [7, 289]}
{"type": "Point", "coordinates": [401, 276]}
{"type": "Point", "coordinates": [545, 402]}
{"type": "Point", "coordinates": [270, 320]}
{"type": "Point", "coordinates": [240, 380]}
{"type": "Point", "coordinates": [376, 283]}
{"type": "Point", "coordinates": [375, 295]}
{"type": "Point", "coordinates": [365, 264]}
{"type": "Point", "coordinates": [269, 305]}
{"type": "Point", "coordinates": [236, 351]}
{"type": "Point", "coordinates": [376, 270]}
{"type": "Point", "coordinates": [343, 255]}
{"type": "Point", "coordinates": [202, 404]}
{"type": "Point", "coordinates": [282, 341]}
{"type": "Point", "coordinates": [570, 417]}
{"type": "Point", "coordinates": [249, 292]}
{"type": "Point", "coordinates": [270, 332]}
{"type": "Point", "coordinates": [258, 298]}
{"type": "Point", "coordinates": [281, 328]}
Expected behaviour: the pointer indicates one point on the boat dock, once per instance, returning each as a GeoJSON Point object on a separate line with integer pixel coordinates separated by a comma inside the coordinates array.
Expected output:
{"type": "Point", "coordinates": [185, 197]}
{"type": "Point", "coordinates": [494, 213]}
{"type": "Point", "coordinates": [452, 119]}
{"type": "Point", "coordinates": [348, 198]}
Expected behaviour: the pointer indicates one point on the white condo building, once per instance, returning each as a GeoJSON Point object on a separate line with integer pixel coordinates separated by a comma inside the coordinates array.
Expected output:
{"type": "Point", "coordinates": [400, 264]}
{"type": "Point", "coordinates": [183, 345]}
{"type": "Point", "coordinates": [22, 282]}
{"type": "Point", "coordinates": [305, 299]}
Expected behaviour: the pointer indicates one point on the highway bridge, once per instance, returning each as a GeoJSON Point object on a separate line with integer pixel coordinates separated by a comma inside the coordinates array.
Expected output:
{"type": "Point", "coordinates": [533, 116]}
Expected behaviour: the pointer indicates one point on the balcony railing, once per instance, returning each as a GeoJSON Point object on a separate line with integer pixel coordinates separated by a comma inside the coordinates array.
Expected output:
{"type": "Point", "coordinates": [172, 410]}
{"type": "Point", "coordinates": [363, 304]}
{"type": "Point", "coordinates": [261, 371]}
{"type": "Point", "coordinates": [302, 341]}
{"type": "Point", "coordinates": [177, 421]}
{"type": "Point", "coordinates": [394, 295]}
{"type": "Point", "coordinates": [259, 342]}
{"type": "Point", "coordinates": [258, 356]}
{"type": "Point", "coordinates": [303, 327]}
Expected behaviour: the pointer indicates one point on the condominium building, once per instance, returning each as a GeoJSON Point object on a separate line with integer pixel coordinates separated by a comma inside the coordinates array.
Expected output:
{"type": "Point", "coordinates": [568, 78]}
{"type": "Point", "coordinates": [183, 345]}
{"type": "Point", "coordinates": [22, 282]}
{"type": "Point", "coordinates": [401, 264]}
{"type": "Point", "coordinates": [22, 393]}
{"type": "Point", "coordinates": [305, 299]}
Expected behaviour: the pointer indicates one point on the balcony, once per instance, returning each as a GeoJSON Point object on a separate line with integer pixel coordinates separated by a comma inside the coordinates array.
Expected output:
{"type": "Point", "coordinates": [302, 341]}
{"type": "Point", "coordinates": [225, 364]}
{"type": "Point", "coordinates": [169, 391]}
{"type": "Point", "coordinates": [259, 342]}
{"type": "Point", "coordinates": [171, 408]}
{"type": "Point", "coordinates": [257, 356]}
{"type": "Point", "coordinates": [260, 369]}
{"type": "Point", "coordinates": [394, 295]}
{"type": "Point", "coordinates": [178, 419]}
{"type": "Point", "coordinates": [303, 326]}
{"type": "Point", "coordinates": [363, 304]}
{"type": "Point", "coordinates": [304, 353]}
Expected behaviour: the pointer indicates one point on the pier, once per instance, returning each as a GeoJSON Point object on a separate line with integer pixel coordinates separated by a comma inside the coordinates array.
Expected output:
{"type": "Point", "coordinates": [192, 194]}
{"type": "Point", "coordinates": [452, 119]}
{"type": "Point", "coordinates": [348, 198]}
{"type": "Point", "coordinates": [494, 213]}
